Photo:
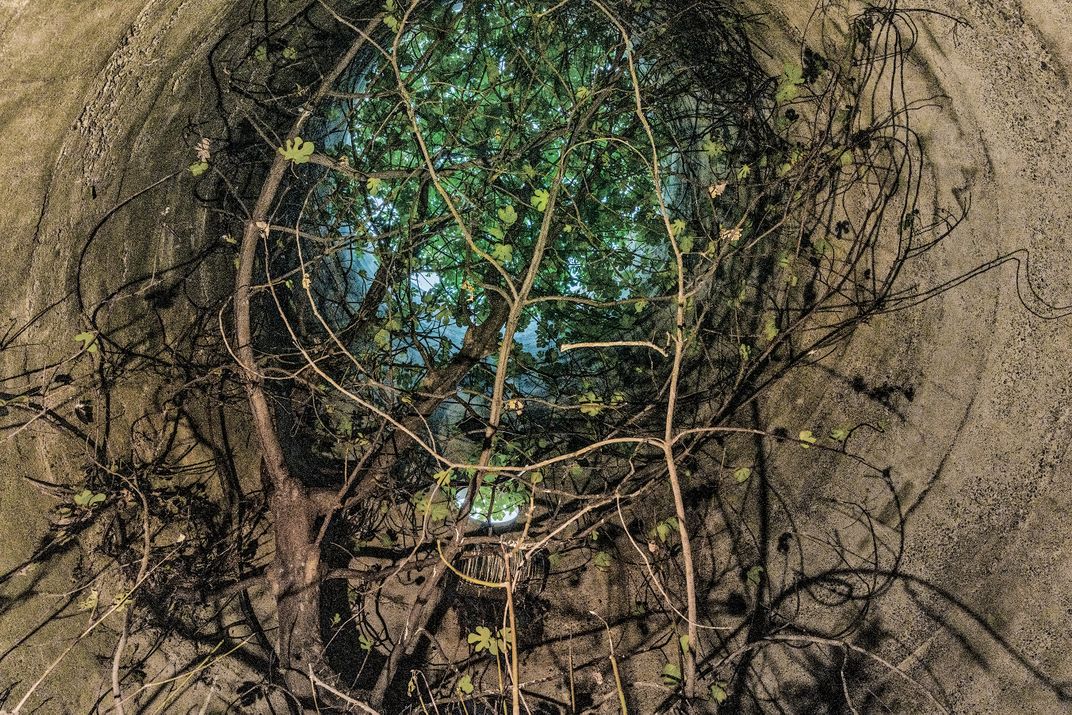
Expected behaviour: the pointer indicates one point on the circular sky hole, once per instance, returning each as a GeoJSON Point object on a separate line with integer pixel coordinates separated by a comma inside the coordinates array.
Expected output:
{"type": "Point", "coordinates": [492, 506]}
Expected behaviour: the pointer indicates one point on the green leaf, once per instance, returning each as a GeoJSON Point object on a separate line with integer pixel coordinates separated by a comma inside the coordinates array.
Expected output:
{"type": "Point", "coordinates": [602, 561]}
{"type": "Point", "coordinates": [261, 53]}
{"type": "Point", "coordinates": [508, 215]}
{"type": "Point", "coordinates": [290, 53]}
{"type": "Point", "coordinates": [88, 498]}
{"type": "Point", "coordinates": [465, 685]}
{"type": "Point", "coordinates": [88, 340]}
{"type": "Point", "coordinates": [297, 150]}
{"type": "Point", "coordinates": [436, 509]}
{"type": "Point", "coordinates": [786, 93]}
{"type": "Point", "coordinates": [677, 227]}
{"type": "Point", "coordinates": [505, 637]}
{"type": "Point", "coordinates": [529, 172]}
{"type": "Point", "coordinates": [742, 474]}
{"type": "Point", "coordinates": [718, 691]}
{"type": "Point", "coordinates": [683, 641]}
{"type": "Point", "coordinates": [755, 574]}
{"type": "Point", "coordinates": [120, 601]}
{"type": "Point", "coordinates": [373, 185]}
{"type": "Point", "coordinates": [591, 405]}
{"type": "Point", "coordinates": [789, 87]}
{"type": "Point", "coordinates": [713, 148]}
{"type": "Point", "coordinates": [502, 252]}
{"type": "Point", "coordinates": [744, 172]}
{"type": "Point", "coordinates": [443, 478]}
{"type": "Point", "coordinates": [671, 674]}
{"type": "Point", "coordinates": [89, 602]}
{"type": "Point", "coordinates": [583, 93]}
{"type": "Point", "coordinates": [839, 434]}
{"type": "Point", "coordinates": [770, 328]}
{"type": "Point", "coordinates": [382, 338]}
{"type": "Point", "coordinates": [365, 642]}
{"type": "Point", "coordinates": [745, 352]}
{"type": "Point", "coordinates": [807, 439]}
{"type": "Point", "coordinates": [496, 232]}
{"type": "Point", "coordinates": [665, 529]}
{"type": "Point", "coordinates": [482, 639]}
{"type": "Point", "coordinates": [591, 409]}
{"type": "Point", "coordinates": [685, 244]}
{"type": "Point", "coordinates": [198, 168]}
{"type": "Point", "coordinates": [540, 199]}
{"type": "Point", "coordinates": [392, 22]}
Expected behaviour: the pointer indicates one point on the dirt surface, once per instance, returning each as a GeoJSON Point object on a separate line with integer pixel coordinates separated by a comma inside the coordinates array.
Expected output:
{"type": "Point", "coordinates": [94, 102]}
{"type": "Point", "coordinates": [984, 441]}
{"type": "Point", "coordinates": [978, 453]}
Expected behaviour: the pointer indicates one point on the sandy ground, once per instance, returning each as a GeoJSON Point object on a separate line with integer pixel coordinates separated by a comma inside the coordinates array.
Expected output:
{"type": "Point", "coordinates": [984, 442]}
{"type": "Point", "coordinates": [979, 454]}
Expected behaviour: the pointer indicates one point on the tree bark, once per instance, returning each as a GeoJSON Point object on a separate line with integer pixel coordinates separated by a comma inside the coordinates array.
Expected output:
{"type": "Point", "coordinates": [295, 580]}
{"type": "Point", "coordinates": [297, 561]}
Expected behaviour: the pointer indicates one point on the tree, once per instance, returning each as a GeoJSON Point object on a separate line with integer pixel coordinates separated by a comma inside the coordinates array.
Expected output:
{"type": "Point", "coordinates": [510, 282]}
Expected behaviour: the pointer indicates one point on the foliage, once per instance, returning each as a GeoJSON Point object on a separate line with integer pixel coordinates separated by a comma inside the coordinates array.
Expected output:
{"type": "Point", "coordinates": [297, 150]}
{"type": "Point", "coordinates": [532, 287]}
{"type": "Point", "coordinates": [88, 498]}
{"type": "Point", "coordinates": [517, 304]}
{"type": "Point", "coordinates": [88, 340]}
{"type": "Point", "coordinates": [482, 639]}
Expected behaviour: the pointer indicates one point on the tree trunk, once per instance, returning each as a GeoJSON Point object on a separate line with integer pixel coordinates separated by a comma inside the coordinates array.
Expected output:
{"type": "Point", "coordinates": [296, 586]}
